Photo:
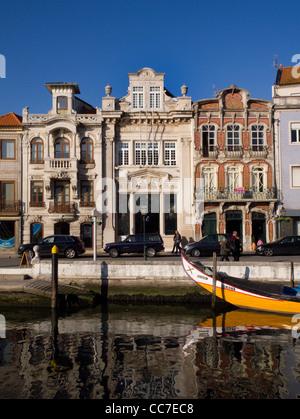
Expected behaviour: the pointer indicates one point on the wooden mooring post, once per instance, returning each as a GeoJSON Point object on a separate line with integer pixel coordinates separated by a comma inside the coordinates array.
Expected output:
{"type": "Point", "coordinates": [54, 278]}
{"type": "Point", "coordinates": [292, 275]}
{"type": "Point", "coordinates": [213, 301]}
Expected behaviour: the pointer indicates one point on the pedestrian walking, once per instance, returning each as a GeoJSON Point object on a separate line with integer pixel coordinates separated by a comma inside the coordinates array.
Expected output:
{"type": "Point", "coordinates": [224, 250]}
{"type": "Point", "coordinates": [237, 248]}
{"type": "Point", "coordinates": [177, 241]}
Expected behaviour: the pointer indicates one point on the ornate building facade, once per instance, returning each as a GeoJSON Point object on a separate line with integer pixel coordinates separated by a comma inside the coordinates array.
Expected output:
{"type": "Point", "coordinates": [234, 155]}
{"type": "Point", "coordinates": [147, 146]}
{"type": "Point", "coordinates": [62, 161]}
{"type": "Point", "coordinates": [130, 160]}
{"type": "Point", "coordinates": [10, 182]}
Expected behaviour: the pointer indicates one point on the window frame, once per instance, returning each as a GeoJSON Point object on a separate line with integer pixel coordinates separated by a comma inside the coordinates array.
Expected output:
{"type": "Point", "coordinates": [87, 195]}
{"type": "Point", "coordinates": [138, 97]}
{"type": "Point", "coordinates": [123, 153]}
{"type": "Point", "coordinates": [255, 135]}
{"type": "Point", "coordinates": [62, 141]}
{"type": "Point", "coordinates": [297, 133]}
{"type": "Point", "coordinates": [236, 129]}
{"type": "Point", "coordinates": [170, 159]}
{"type": "Point", "coordinates": [34, 197]}
{"type": "Point", "coordinates": [63, 109]}
{"type": "Point", "coordinates": [292, 166]}
{"type": "Point", "coordinates": [146, 153]}
{"type": "Point", "coordinates": [258, 179]}
{"type": "Point", "coordinates": [39, 144]}
{"type": "Point", "coordinates": [155, 97]}
{"type": "Point", "coordinates": [85, 144]}
{"type": "Point", "coordinates": [7, 140]}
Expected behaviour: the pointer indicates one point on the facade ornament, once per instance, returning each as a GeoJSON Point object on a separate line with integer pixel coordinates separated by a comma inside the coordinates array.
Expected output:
{"type": "Point", "coordinates": [108, 90]}
{"type": "Point", "coordinates": [184, 90]}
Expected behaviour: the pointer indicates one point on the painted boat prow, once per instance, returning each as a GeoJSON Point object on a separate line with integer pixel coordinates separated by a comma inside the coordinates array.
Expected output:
{"type": "Point", "coordinates": [241, 292]}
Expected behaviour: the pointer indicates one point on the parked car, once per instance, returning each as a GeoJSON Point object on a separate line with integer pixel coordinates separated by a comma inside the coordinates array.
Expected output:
{"type": "Point", "coordinates": [289, 245]}
{"type": "Point", "coordinates": [68, 246]}
{"type": "Point", "coordinates": [206, 246]}
{"type": "Point", "coordinates": [135, 244]}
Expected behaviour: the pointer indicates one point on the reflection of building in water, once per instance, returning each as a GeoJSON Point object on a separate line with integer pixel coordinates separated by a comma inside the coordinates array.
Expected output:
{"type": "Point", "coordinates": [141, 357]}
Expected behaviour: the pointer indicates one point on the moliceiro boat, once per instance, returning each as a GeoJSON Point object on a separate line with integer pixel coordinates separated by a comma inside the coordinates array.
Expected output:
{"type": "Point", "coordinates": [243, 293]}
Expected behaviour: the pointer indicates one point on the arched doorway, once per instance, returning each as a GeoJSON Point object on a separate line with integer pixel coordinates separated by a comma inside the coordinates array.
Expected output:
{"type": "Point", "coordinates": [234, 222]}
{"type": "Point", "coordinates": [62, 228]}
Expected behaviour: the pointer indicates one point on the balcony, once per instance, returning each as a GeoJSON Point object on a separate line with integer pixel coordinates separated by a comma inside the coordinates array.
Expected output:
{"type": "Point", "coordinates": [210, 152]}
{"type": "Point", "coordinates": [258, 151]}
{"type": "Point", "coordinates": [214, 194]}
{"type": "Point", "coordinates": [55, 207]}
{"type": "Point", "coordinates": [234, 151]}
{"type": "Point", "coordinates": [60, 163]}
{"type": "Point", "coordinates": [10, 207]}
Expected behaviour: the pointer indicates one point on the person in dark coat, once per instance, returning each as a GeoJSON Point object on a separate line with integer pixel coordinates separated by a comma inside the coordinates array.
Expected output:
{"type": "Point", "coordinates": [224, 250]}
{"type": "Point", "coordinates": [237, 248]}
{"type": "Point", "coordinates": [177, 241]}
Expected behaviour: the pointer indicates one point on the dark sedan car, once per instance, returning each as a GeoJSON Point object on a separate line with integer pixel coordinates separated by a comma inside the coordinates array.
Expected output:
{"type": "Point", "coordinates": [207, 246]}
{"type": "Point", "coordinates": [68, 246]}
{"type": "Point", "coordinates": [135, 244]}
{"type": "Point", "coordinates": [289, 245]}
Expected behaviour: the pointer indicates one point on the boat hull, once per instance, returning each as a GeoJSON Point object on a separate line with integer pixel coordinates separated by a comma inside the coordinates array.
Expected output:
{"type": "Point", "coordinates": [238, 296]}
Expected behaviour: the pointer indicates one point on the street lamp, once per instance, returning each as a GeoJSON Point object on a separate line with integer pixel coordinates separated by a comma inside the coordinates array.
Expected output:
{"type": "Point", "coordinates": [95, 214]}
{"type": "Point", "coordinates": [144, 211]}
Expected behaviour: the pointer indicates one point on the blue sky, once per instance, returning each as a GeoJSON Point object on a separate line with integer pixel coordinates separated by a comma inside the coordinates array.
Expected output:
{"type": "Point", "coordinates": [95, 43]}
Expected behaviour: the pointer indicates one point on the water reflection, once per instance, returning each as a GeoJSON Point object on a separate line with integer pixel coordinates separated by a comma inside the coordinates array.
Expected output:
{"type": "Point", "coordinates": [149, 352]}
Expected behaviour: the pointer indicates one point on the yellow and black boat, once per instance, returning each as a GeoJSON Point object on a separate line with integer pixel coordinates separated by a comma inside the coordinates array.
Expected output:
{"type": "Point", "coordinates": [246, 294]}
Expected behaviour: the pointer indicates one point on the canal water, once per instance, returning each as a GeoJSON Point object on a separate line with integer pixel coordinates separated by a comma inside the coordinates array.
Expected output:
{"type": "Point", "coordinates": [125, 352]}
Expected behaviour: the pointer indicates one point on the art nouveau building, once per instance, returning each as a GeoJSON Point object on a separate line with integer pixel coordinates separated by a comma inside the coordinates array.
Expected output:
{"type": "Point", "coordinates": [10, 181]}
{"type": "Point", "coordinates": [234, 156]}
{"type": "Point", "coordinates": [147, 146]}
{"type": "Point", "coordinates": [131, 160]}
{"type": "Point", "coordinates": [62, 162]}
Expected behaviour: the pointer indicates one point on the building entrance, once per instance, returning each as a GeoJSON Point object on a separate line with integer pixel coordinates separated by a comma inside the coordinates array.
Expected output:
{"type": "Point", "coordinates": [234, 222]}
{"type": "Point", "coordinates": [150, 204]}
{"type": "Point", "coordinates": [258, 227]}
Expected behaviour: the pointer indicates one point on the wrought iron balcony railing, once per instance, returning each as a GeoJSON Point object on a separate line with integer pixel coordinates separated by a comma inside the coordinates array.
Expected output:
{"type": "Point", "coordinates": [68, 208]}
{"type": "Point", "coordinates": [10, 207]}
{"type": "Point", "coordinates": [228, 194]}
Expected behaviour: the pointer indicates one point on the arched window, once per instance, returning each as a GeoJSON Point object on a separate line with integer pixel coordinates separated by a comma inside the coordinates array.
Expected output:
{"type": "Point", "coordinates": [62, 148]}
{"type": "Point", "coordinates": [232, 179]}
{"type": "Point", "coordinates": [257, 137]}
{"type": "Point", "coordinates": [258, 179]}
{"type": "Point", "coordinates": [233, 137]}
{"type": "Point", "coordinates": [209, 176]}
{"type": "Point", "coordinates": [37, 151]}
{"type": "Point", "coordinates": [86, 150]}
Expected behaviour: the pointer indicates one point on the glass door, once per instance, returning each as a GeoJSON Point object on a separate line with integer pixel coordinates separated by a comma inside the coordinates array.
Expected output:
{"type": "Point", "coordinates": [62, 196]}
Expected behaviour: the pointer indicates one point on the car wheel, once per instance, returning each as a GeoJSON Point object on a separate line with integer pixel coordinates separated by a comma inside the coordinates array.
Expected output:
{"type": "Point", "coordinates": [150, 252]}
{"type": "Point", "coordinates": [268, 251]}
{"type": "Point", "coordinates": [113, 253]}
{"type": "Point", "coordinates": [70, 253]}
{"type": "Point", "coordinates": [196, 253]}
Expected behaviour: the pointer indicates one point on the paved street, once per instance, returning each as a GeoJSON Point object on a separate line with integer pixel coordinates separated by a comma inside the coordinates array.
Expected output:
{"type": "Point", "coordinates": [14, 261]}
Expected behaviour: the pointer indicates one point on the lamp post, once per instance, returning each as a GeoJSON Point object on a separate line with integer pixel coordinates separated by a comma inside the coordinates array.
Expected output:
{"type": "Point", "coordinates": [95, 214]}
{"type": "Point", "coordinates": [144, 210]}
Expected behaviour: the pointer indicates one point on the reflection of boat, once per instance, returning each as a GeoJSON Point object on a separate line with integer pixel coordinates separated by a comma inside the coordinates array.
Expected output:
{"type": "Point", "coordinates": [243, 293]}
{"type": "Point", "coordinates": [237, 323]}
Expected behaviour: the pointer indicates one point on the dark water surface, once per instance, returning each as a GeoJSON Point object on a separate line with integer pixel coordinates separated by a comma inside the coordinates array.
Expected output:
{"type": "Point", "coordinates": [148, 352]}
